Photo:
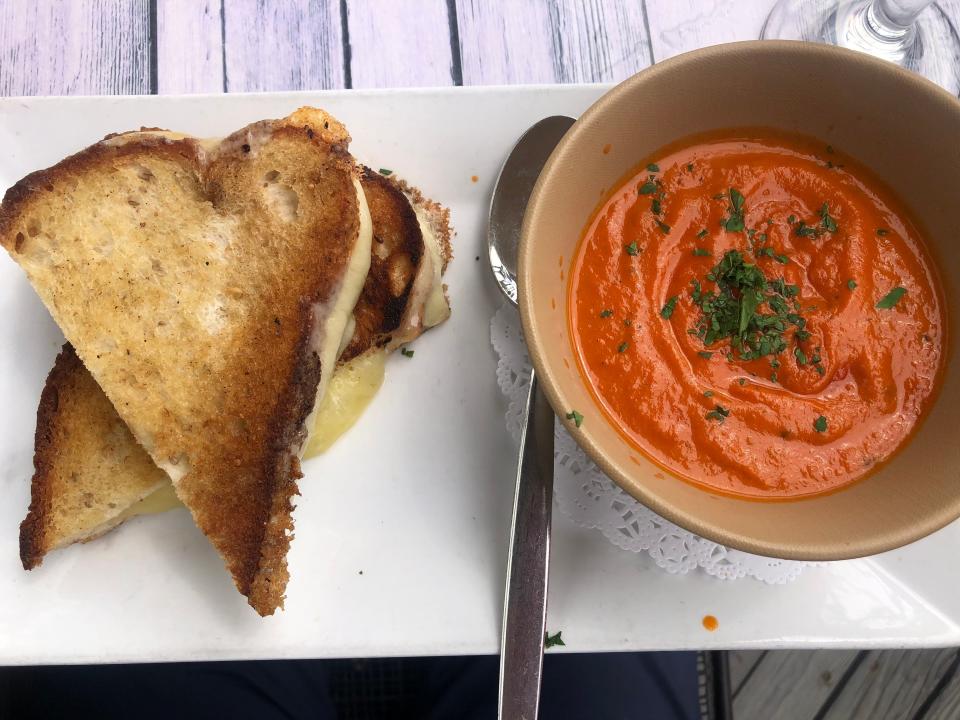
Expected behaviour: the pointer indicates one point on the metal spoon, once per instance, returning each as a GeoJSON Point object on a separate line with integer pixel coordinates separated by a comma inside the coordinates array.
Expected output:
{"type": "Point", "coordinates": [525, 599]}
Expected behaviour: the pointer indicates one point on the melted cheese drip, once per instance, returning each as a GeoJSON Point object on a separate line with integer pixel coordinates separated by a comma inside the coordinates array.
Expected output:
{"type": "Point", "coordinates": [327, 338]}
{"type": "Point", "coordinates": [160, 500]}
{"type": "Point", "coordinates": [350, 391]}
{"type": "Point", "coordinates": [352, 388]}
{"type": "Point", "coordinates": [435, 308]}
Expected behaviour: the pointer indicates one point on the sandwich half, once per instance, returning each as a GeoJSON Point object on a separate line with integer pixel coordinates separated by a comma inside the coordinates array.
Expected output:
{"type": "Point", "coordinates": [91, 474]}
{"type": "Point", "coordinates": [207, 287]}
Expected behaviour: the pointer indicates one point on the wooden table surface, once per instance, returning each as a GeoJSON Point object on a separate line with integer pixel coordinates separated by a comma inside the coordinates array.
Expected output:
{"type": "Point", "coordinates": [85, 47]}
{"type": "Point", "coordinates": [88, 47]}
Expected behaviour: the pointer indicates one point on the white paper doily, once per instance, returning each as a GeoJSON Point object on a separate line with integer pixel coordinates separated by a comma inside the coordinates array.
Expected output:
{"type": "Point", "coordinates": [592, 500]}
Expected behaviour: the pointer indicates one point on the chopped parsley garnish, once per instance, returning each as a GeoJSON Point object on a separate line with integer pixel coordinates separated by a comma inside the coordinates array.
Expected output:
{"type": "Point", "coordinates": [406, 353]}
{"type": "Point", "coordinates": [550, 640]}
{"type": "Point", "coordinates": [632, 248]}
{"type": "Point", "coordinates": [705, 354]}
{"type": "Point", "coordinates": [606, 313]}
{"type": "Point", "coordinates": [648, 188]}
{"type": "Point", "coordinates": [719, 413]}
{"type": "Point", "coordinates": [701, 252]}
{"type": "Point", "coordinates": [655, 207]}
{"type": "Point", "coordinates": [385, 172]}
{"type": "Point", "coordinates": [771, 253]}
{"type": "Point", "coordinates": [576, 417]}
{"type": "Point", "coordinates": [828, 222]}
{"type": "Point", "coordinates": [734, 310]}
{"type": "Point", "coordinates": [734, 223]}
{"type": "Point", "coordinates": [851, 284]}
{"type": "Point", "coordinates": [667, 310]}
{"type": "Point", "coordinates": [820, 424]}
{"type": "Point", "coordinates": [653, 167]}
{"type": "Point", "coordinates": [702, 233]}
{"type": "Point", "coordinates": [708, 393]}
{"type": "Point", "coordinates": [891, 298]}
{"type": "Point", "coordinates": [791, 219]}
{"type": "Point", "coordinates": [689, 167]}
{"type": "Point", "coordinates": [800, 355]}
{"type": "Point", "coordinates": [882, 231]}
{"type": "Point", "coordinates": [664, 228]}
{"type": "Point", "coordinates": [622, 347]}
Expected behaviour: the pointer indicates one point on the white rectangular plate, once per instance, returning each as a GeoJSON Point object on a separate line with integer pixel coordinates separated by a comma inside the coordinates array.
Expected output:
{"type": "Point", "coordinates": [401, 531]}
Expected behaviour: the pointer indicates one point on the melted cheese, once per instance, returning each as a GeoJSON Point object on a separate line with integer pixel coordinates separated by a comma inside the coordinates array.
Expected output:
{"type": "Point", "coordinates": [435, 307]}
{"type": "Point", "coordinates": [350, 391]}
{"type": "Point", "coordinates": [327, 337]}
{"type": "Point", "coordinates": [160, 500]}
{"type": "Point", "coordinates": [352, 388]}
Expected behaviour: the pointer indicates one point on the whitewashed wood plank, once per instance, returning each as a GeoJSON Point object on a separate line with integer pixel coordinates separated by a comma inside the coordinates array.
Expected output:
{"type": "Point", "coordinates": [402, 43]}
{"type": "Point", "coordinates": [189, 47]}
{"type": "Point", "coordinates": [547, 41]}
{"type": "Point", "coordinates": [74, 47]}
{"type": "Point", "coordinates": [789, 685]}
{"type": "Point", "coordinates": [946, 704]}
{"type": "Point", "coordinates": [741, 663]}
{"type": "Point", "coordinates": [890, 685]}
{"type": "Point", "coordinates": [283, 45]}
{"type": "Point", "coordinates": [677, 26]}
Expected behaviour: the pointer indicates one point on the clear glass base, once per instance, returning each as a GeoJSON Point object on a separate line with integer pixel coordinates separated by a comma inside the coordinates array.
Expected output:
{"type": "Point", "coordinates": [929, 46]}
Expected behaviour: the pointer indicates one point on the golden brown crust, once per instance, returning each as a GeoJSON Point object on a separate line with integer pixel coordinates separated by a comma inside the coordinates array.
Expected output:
{"type": "Point", "coordinates": [395, 258]}
{"type": "Point", "coordinates": [34, 528]}
{"type": "Point", "coordinates": [256, 386]}
{"type": "Point", "coordinates": [437, 215]}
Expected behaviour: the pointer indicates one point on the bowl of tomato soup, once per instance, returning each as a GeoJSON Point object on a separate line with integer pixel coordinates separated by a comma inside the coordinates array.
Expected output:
{"type": "Point", "coordinates": [736, 283]}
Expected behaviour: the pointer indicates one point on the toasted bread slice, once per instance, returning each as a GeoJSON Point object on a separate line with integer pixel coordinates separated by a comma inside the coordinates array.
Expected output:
{"type": "Point", "coordinates": [89, 469]}
{"type": "Point", "coordinates": [90, 473]}
{"type": "Point", "coordinates": [207, 294]}
{"type": "Point", "coordinates": [409, 234]}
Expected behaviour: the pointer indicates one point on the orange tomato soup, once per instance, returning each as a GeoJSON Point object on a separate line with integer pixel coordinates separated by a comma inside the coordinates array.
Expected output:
{"type": "Point", "coordinates": [756, 313]}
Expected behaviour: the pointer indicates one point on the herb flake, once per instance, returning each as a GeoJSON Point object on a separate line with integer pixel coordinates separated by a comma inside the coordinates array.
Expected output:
{"type": "Point", "coordinates": [667, 311]}
{"type": "Point", "coordinates": [891, 298]}
{"type": "Point", "coordinates": [719, 413]}
{"type": "Point", "coordinates": [550, 641]}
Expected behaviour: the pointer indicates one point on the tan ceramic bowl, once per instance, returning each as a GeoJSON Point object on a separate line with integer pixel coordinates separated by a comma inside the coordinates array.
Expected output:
{"type": "Point", "coordinates": [901, 126]}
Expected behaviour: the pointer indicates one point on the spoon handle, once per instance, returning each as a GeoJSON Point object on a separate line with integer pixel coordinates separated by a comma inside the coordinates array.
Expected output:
{"type": "Point", "coordinates": [525, 601]}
